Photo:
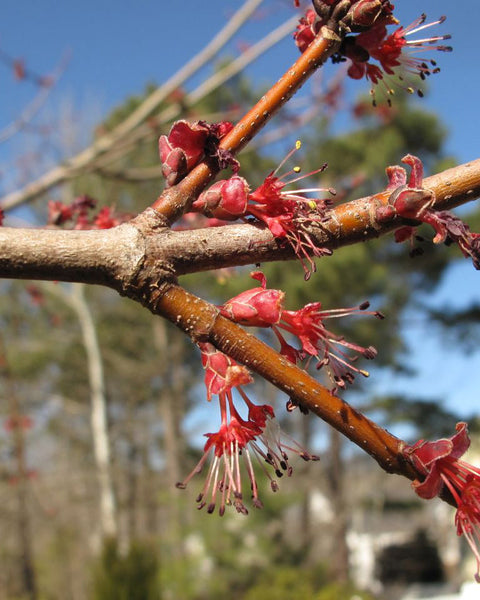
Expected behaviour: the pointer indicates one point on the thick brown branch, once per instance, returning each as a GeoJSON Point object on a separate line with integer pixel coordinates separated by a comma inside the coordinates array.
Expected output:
{"type": "Point", "coordinates": [114, 257]}
{"type": "Point", "coordinates": [106, 257]}
{"type": "Point", "coordinates": [217, 247]}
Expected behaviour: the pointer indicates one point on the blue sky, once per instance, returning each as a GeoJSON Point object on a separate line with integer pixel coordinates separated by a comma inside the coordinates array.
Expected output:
{"type": "Point", "coordinates": [117, 47]}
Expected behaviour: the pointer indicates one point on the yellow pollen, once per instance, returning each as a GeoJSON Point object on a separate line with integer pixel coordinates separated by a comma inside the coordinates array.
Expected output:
{"type": "Point", "coordinates": [298, 145]}
{"type": "Point", "coordinates": [364, 373]}
{"type": "Point", "coordinates": [297, 169]}
{"type": "Point", "coordinates": [410, 90]}
{"type": "Point", "coordinates": [312, 204]}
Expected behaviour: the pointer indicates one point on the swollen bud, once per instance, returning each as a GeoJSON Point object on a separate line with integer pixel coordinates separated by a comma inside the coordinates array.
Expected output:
{"type": "Point", "coordinates": [364, 13]}
{"type": "Point", "coordinates": [182, 149]}
{"type": "Point", "coordinates": [226, 199]}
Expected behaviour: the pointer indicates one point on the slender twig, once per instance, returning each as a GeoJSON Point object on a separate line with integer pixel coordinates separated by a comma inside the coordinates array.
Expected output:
{"type": "Point", "coordinates": [201, 321]}
{"type": "Point", "coordinates": [174, 201]}
{"type": "Point", "coordinates": [35, 105]}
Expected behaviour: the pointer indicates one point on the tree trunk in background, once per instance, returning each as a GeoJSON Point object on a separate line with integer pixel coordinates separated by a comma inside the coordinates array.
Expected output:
{"type": "Point", "coordinates": [171, 409]}
{"type": "Point", "coordinates": [98, 415]}
{"type": "Point", "coordinates": [132, 477]}
{"type": "Point", "coordinates": [25, 540]}
{"type": "Point", "coordinates": [335, 477]}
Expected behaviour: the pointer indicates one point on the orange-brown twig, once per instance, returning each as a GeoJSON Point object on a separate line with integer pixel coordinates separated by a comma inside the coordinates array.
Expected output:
{"type": "Point", "coordinates": [201, 321]}
{"type": "Point", "coordinates": [176, 200]}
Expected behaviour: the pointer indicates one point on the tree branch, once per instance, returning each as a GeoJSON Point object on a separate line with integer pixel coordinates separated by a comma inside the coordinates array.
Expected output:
{"type": "Point", "coordinates": [177, 200]}
{"type": "Point", "coordinates": [115, 257]}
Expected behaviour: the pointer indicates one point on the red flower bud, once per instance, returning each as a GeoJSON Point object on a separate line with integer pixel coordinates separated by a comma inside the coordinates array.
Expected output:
{"type": "Point", "coordinates": [257, 307]}
{"type": "Point", "coordinates": [307, 28]}
{"type": "Point", "coordinates": [225, 199]}
{"type": "Point", "coordinates": [365, 12]}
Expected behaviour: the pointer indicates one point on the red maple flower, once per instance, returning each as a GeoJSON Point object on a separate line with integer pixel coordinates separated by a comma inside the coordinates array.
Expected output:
{"type": "Point", "coordinates": [263, 307]}
{"type": "Point", "coordinates": [79, 213]}
{"type": "Point", "coordinates": [439, 462]}
{"type": "Point", "coordinates": [58, 212]}
{"type": "Point", "coordinates": [397, 66]}
{"type": "Point", "coordinates": [290, 213]}
{"type": "Point", "coordinates": [332, 351]}
{"type": "Point", "coordinates": [255, 438]}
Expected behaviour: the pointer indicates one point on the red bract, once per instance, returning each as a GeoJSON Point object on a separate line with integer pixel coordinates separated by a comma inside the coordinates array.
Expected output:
{"type": "Point", "coordinates": [366, 13]}
{"type": "Point", "coordinates": [186, 145]}
{"type": "Point", "coordinates": [182, 149]}
{"type": "Point", "coordinates": [439, 462]}
{"type": "Point", "coordinates": [412, 201]}
{"type": "Point", "coordinates": [222, 373]}
{"type": "Point", "coordinates": [307, 28]}
{"type": "Point", "coordinates": [256, 437]}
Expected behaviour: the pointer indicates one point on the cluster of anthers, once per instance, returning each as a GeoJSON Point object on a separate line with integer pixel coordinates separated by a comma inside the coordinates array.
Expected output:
{"type": "Point", "coordinates": [251, 441]}
{"type": "Point", "coordinates": [259, 435]}
{"type": "Point", "coordinates": [387, 60]}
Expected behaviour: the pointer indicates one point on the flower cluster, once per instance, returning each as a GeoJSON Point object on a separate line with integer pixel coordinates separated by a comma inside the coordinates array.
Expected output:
{"type": "Point", "coordinates": [188, 143]}
{"type": "Point", "coordinates": [78, 214]}
{"type": "Point", "coordinates": [289, 214]}
{"type": "Point", "coordinates": [263, 307]}
{"type": "Point", "coordinates": [396, 65]}
{"type": "Point", "coordinates": [441, 465]}
{"type": "Point", "coordinates": [411, 201]}
{"type": "Point", "coordinates": [256, 438]}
